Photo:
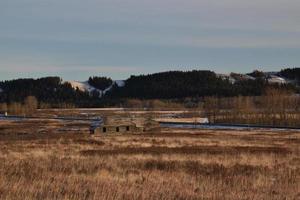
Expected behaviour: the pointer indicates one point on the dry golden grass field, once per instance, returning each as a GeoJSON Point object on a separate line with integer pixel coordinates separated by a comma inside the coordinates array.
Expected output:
{"type": "Point", "coordinates": [59, 160]}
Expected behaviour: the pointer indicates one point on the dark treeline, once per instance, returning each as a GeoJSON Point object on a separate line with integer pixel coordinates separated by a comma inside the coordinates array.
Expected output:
{"type": "Point", "coordinates": [291, 73]}
{"type": "Point", "coordinates": [49, 91]}
{"type": "Point", "coordinates": [178, 84]}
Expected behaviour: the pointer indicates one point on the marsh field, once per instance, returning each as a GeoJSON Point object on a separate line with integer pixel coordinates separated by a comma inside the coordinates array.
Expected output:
{"type": "Point", "coordinates": [48, 159]}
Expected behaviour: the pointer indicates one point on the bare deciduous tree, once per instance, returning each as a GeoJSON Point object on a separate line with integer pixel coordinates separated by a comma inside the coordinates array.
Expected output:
{"type": "Point", "coordinates": [30, 104]}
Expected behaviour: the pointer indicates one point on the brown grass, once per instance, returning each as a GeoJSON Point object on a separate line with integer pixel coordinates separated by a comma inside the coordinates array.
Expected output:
{"type": "Point", "coordinates": [187, 150]}
{"type": "Point", "coordinates": [173, 164]}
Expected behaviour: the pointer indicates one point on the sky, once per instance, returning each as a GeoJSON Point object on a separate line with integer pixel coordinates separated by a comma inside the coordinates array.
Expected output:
{"type": "Point", "coordinates": [76, 39]}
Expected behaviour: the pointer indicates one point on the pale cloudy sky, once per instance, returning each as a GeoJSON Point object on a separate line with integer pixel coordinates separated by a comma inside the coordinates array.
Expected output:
{"type": "Point", "coordinates": [75, 39]}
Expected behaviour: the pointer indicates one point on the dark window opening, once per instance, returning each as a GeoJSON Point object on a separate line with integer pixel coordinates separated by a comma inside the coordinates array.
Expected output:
{"type": "Point", "coordinates": [127, 128]}
{"type": "Point", "coordinates": [117, 129]}
{"type": "Point", "coordinates": [104, 129]}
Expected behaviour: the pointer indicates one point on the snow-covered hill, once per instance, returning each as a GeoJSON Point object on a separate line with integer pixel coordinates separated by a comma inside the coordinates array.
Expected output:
{"type": "Point", "coordinates": [86, 87]}
{"type": "Point", "coordinates": [271, 77]}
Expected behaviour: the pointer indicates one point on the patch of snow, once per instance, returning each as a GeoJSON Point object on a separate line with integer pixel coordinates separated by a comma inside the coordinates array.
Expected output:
{"type": "Point", "coordinates": [226, 77]}
{"type": "Point", "coordinates": [191, 120]}
{"type": "Point", "coordinates": [120, 83]}
{"type": "Point", "coordinates": [276, 79]}
{"type": "Point", "coordinates": [82, 86]}
{"type": "Point", "coordinates": [241, 77]}
{"type": "Point", "coordinates": [108, 89]}
{"type": "Point", "coordinates": [248, 77]}
{"type": "Point", "coordinates": [86, 87]}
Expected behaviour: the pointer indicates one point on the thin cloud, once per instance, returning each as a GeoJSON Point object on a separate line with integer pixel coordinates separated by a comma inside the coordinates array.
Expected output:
{"type": "Point", "coordinates": [65, 68]}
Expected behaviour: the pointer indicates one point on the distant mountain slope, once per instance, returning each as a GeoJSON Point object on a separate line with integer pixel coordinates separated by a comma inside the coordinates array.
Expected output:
{"type": "Point", "coordinates": [178, 84]}
{"type": "Point", "coordinates": [270, 77]}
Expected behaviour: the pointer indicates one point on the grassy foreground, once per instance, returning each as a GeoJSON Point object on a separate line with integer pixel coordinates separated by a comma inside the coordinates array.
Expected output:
{"type": "Point", "coordinates": [177, 164]}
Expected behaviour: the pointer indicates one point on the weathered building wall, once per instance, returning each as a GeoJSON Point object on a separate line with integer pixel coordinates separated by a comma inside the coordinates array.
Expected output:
{"type": "Point", "coordinates": [115, 129]}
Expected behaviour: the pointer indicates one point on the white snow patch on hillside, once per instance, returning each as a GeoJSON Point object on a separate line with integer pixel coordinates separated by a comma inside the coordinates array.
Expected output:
{"type": "Point", "coordinates": [276, 79]}
{"type": "Point", "coordinates": [120, 83]}
{"type": "Point", "coordinates": [226, 77]}
{"type": "Point", "coordinates": [85, 86]}
{"type": "Point", "coordinates": [82, 86]}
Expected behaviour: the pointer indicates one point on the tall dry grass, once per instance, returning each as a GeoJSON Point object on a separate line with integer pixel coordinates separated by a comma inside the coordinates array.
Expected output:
{"type": "Point", "coordinates": [182, 164]}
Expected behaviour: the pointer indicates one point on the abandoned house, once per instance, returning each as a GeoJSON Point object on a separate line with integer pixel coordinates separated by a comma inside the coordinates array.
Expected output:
{"type": "Point", "coordinates": [115, 128]}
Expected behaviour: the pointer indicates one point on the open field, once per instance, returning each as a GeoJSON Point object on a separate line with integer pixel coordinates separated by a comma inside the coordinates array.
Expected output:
{"type": "Point", "coordinates": [59, 160]}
